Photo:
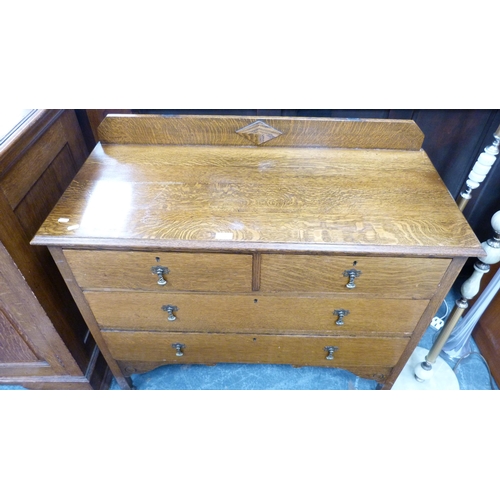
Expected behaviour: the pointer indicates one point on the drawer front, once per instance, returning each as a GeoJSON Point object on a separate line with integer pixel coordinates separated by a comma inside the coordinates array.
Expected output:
{"type": "Point", "coordinates": [397, 277]}
{"type": "Point", "coordinates": [253, 313]}
{"type": "Point", "coordinates": [244, 348]}
{"type": "Point", "coordinates": [186, 271]}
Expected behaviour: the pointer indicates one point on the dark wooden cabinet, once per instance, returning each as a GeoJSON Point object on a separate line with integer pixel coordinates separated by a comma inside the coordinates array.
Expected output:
{"type": "Point", "coordinates": [487, 331]}
{"type": "Point", "coordinates": [487, 337]}
{"type": "Point", "coordinates": [44, 342]}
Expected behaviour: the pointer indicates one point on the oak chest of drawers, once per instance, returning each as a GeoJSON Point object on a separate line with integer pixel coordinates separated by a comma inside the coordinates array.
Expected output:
{"type": "Point", "coordinates": [319, 242]}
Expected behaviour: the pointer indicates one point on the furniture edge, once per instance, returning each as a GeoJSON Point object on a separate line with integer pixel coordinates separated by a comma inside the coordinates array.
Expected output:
{"type": "Point", "coordinates": [252, 247]}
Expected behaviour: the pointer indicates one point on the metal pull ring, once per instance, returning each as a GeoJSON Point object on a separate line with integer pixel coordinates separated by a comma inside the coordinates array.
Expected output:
{"type": "Point", "coordinates": [351, 274]}
{"type": "Point", "coordinates": [330, 350]}
{"type": "Point", "coordinates": [178, 347]}
{"type": "Point", "coordinates": [170, 310]}
{"type": "Point", "coordinates": [340, 313]}
{"type": "Point", "coordinates": [160, 271]}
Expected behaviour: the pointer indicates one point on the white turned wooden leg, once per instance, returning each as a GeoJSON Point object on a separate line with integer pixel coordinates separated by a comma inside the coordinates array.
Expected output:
{"type": "Point", "coordinates": [479, 171]}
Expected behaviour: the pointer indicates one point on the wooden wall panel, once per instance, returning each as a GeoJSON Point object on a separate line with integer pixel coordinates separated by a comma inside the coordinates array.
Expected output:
{"type": "Point", "coordinates": [46, 190]}
{"type": "Point", "coordinates": [13, 347]}
{"type": "Point", "coordinates": [42, 333]}
{"type": "Point", "coordinates": [24, 317]}
{"type": "Point", "coordinates": [32, 181]}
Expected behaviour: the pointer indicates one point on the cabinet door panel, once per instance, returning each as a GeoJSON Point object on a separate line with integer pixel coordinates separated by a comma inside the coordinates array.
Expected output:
{"type": "Point", "coordinates": [13, 348]}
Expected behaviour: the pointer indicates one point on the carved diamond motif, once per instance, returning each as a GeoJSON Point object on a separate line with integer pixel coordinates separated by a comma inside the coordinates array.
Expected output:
{"type": "Point", "coordinates": [259, 132]}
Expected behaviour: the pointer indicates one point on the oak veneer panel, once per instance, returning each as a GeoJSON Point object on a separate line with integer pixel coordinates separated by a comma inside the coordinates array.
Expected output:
{"type": "Point", "coordinates": [17, 182]}
{"type": "Point", "coordinates": [13, 348]}
{"type": "Point", "coordinates": [36, 165]}
{"type": "Point", "coordinates": [46, 190]}
{"type": "Point", "coordinates": [382, 276]}
{"type": "Point", "coordinates": [31, 211]}
{"type": "Point", "coordinates": [244, 348]}
{"type": "Point", "coordinates": [263, 313]}
{"type": "Point", "coordinates": [22, 315]}
{"type": "Point", "coordinates": [189, 198]}
{"type": "Point", "coordinates": [187, 271]}
{"type": "Point", "coordinates": [25, 137]}
{"type": "Point", "coordinates": [31, 181]}
{"type": "Point", "coordinates": [13, 372]}
{"type": "Point", "coordinates": [221, 130]}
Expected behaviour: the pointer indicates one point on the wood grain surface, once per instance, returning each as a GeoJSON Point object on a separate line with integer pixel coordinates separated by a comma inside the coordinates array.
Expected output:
{"type": "Point", "coordinates": [453, 140]}
{"type": "Point", "coordinates": [13, 348]}
{"type": "Point", "coordinates": [221, 131]}
{"type": "Point", "coordinates": [17, 182]}
{"type": "Point", "coordinates": [378, 373]}
{"type": "Point", "coordinates": [243, 348]}
{"type": "Point", "coordinates": [36, 166]}
{"type": "Point", "coordinates": [187, 271]}
{"type": "Point", "coordinates": [14, 373]}
{"type": "Point", "coordinates": [77, 294]}
{"type": "Point", "coordinates": [29, 344]}
{"type": "Point", "coordinates": [381, 276]}
{"type": "Point", "coordinates": [282, 220]}
{"type": "Point", "coordinates": [257, 199]}
{"type": "Point", "coordinates": [244, 313]}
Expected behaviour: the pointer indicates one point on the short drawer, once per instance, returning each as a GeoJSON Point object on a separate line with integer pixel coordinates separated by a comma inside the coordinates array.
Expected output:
{"type": "Point", "coordinates": [181, 271]}
{"type": "Point", "coordinates": [397, 277]}
{"type": "Point", "coordinates": [243, 348]}
{"type": "Point", "coordinates": [253, 313]}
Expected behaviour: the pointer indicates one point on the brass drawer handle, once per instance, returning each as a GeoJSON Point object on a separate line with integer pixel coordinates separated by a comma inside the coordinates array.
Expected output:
{"type": "Point", "coordinates": [330, 349]}
{"type": "Point", "coordinates": [340, 313]}
{"type": "Point", "coordinates": [352, 274]}
{"type": "Point", "coordinates": [170, 310]}
{"type": "Point", "coordinates": [160, 271]}
{"type": "Point", "coordinates": [178, 347]}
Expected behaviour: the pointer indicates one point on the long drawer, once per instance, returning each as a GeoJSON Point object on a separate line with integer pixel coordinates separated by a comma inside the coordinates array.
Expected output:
{"type": "Point", "coordinates": [244, 348]}
{"type": "Point", "coordinates": [181, 271]}
{"type": "Point", "coordinates": [253, 313]}
{"type": "Point", "coordinates": [396, 277]}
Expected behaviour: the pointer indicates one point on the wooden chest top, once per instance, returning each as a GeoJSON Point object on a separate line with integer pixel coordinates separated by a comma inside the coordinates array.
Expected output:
{"type": "Point", "coordinates": [216, 191]}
